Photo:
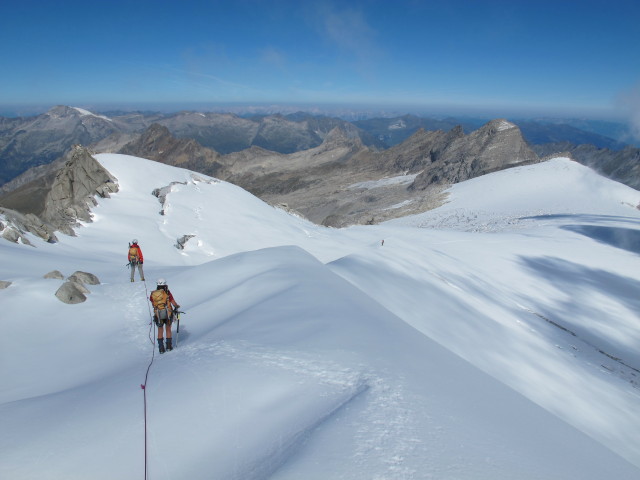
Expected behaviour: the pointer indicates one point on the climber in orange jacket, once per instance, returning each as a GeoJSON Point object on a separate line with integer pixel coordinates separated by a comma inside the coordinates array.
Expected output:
{"type": "Point", "coordinates": [135, 259]}
{"type": "Point", "coordinates": [163, 312]}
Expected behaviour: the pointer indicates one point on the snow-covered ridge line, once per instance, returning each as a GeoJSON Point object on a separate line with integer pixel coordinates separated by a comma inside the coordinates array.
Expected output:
{"type": "Point", "coordinates": [504, 125]}
{"type": "Point", "coordinates": [84, 112]}
{"type": "Point", "coordinates": [385, 351]}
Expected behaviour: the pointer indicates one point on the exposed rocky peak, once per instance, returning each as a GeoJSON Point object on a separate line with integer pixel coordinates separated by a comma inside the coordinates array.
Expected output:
{"type": "Point", "coordinates": [497, 125]}
{"type": "Point", "coordinates": [420, 150]}
{"type": "Point", "coordinates": [495, 146]}
{"type": "Point", "coordinates": [74, 189]}
{"type": "Point", "coordinates": [342, 136]}
{"type": "Point", "coordinates": [154, 143]}
{"type": "Point", "coordinates": [71, 119]}
{"type": "Point", "coordinates": [157, 143]}
{"type": "Point", "coordinates": [58, 200]}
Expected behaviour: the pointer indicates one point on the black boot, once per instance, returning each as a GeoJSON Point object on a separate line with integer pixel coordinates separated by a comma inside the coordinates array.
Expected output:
{"type": "Point", "coordinates": [169, 346]}
{"type": "Point", "coordinates": [160, 345]}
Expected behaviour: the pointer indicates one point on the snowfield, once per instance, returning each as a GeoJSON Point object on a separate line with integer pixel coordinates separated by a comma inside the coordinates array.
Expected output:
{"type": "Point", "coordinates": [493, 338]}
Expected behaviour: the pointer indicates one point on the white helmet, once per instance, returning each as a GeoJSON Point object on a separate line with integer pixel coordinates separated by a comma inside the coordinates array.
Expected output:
{"type": "Point", "coordinates": [161, 282]}
{"type": "Point", "coordinates": [135, 240]}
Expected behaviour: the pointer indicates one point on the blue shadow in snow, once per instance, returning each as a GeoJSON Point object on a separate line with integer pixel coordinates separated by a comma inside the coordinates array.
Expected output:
{"type": "Point", "coordinates": [576, 279]}
{"type": "Point", "coordinates": [624, 238]}
{"type": "Point", "coordinates": [586, 218]}
{"type": "Point", "coordinates": [615, 236]}
{"type": "Point", "coordinates": [580, 283]}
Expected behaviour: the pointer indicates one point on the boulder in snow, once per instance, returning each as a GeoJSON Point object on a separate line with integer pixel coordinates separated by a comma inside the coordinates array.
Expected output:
{"type": "Point", "coordinates": [84, 278]}
{"type": "Point", "coordinates": [182, 241]}
{"type": "Point", "coordinates": [71, 292]}
{"type": "Point", "coordinates": [54, 274]}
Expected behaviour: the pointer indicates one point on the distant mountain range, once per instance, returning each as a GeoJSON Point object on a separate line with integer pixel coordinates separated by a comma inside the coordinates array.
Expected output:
{"type": "Point", "coordinates": [31, 141]}
{"type": "Point", "coordinates": [325, 168]}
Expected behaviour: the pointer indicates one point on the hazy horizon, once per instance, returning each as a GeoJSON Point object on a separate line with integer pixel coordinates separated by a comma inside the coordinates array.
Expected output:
{"type": "Point", "coordinates": [492, 58]}
{"type": "Point", "coordinates": [329, 109]}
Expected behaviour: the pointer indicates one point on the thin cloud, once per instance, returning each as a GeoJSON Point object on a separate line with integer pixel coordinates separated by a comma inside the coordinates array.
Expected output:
{"type": "Point", "coordinates": [629, 101]}
{"type": "Point", "coordinates": [273, 57]}
{"type": "Point", "coordinates": [349, 30]}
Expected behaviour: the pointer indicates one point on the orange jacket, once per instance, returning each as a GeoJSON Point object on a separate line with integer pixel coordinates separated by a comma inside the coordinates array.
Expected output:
{"type": "Point", "coordinates": [137, 247]}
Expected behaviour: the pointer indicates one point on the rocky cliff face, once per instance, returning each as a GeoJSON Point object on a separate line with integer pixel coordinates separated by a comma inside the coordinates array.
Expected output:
{"type": "Point", "coordinates": [495, 146]}
{"type": "Point", "coordinates": [74, 189]}
{"type": "Point", "coordinates": [14, 225]}
{"type": "Point", "coordinates": [56, 202]}
{"type": "Point", "coordinates": [420, 150]}
{"type": "Point", "coordinates": [157, 143]}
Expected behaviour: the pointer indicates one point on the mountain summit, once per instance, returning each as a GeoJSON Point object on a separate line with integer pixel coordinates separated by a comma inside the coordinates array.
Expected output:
{"type": "Point", "coordinates": [495, 146]}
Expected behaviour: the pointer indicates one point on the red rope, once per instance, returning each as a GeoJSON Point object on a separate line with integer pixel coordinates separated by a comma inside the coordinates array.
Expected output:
{"type": "Point", "coordinates": [144, 391]}
{"type": "Point", "coordinates": [143, 386]}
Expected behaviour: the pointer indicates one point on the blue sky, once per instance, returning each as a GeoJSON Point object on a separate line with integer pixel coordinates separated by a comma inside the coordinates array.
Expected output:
{"type": "Point", "coordinates": [543, 57]}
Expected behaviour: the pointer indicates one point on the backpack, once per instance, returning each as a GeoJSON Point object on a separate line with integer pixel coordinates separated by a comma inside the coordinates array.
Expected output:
{"type": "Point", "coordinates": [133, 254]}
{"type": "Point", "coordinates": [159, 298]}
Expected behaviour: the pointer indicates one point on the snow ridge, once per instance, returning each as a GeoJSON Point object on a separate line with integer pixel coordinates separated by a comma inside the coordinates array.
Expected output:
{"type": "Point", "coordinates": [493, 338]}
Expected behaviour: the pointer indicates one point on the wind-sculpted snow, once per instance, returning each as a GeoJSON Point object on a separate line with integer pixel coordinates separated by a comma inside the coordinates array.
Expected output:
{"type": "Point", "coordinates": [316, 353]}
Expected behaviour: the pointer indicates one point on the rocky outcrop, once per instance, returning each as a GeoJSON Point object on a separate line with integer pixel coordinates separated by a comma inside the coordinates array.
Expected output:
{"type": "Point", "coordinates": [182, 241]}
{"type": "Point", "coordinates": [420, 150]}
{"type": "Point", "coordinates": [74, 189]}
{"type": "Point", "coordinates": [4, 284]}
{"type": "Point", "coordinates": [157, 143]}
{"type": "Point", "coordinates": [56, 202]}
{"type": "Point", "coordinates": [54, 274]}
{"type": "Point", "coordinates": [74, 290]}
{"type": "Point", "coordinates": [84, 278]}
{"type": "Point", "coordinates": [15, 225]}
{"type": "Point", "coordinates": [71, 293]}
{"type": "Point", "coordinates": [495, 146]}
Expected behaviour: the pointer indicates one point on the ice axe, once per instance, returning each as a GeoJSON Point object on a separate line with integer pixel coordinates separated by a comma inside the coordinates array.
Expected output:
{"type": "Point", "coordinates": [178, 312]}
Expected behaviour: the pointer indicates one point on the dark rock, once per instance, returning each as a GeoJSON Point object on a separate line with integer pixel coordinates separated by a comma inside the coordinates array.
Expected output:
{"type": "Point", "coordinates": [54, 274]}
{"type": "Point", "coordinates": [71, 293]}
{"type": "Point", "coordinates": [181, 242]}
{"type": "Point", "coordinates": [84, 278]}
{"type": "Point", "coordinates": [72, 194]}
{"type": "Point", "coordinates": [495, 146]}
{"type": "Point", "coordinates": [16, 225]}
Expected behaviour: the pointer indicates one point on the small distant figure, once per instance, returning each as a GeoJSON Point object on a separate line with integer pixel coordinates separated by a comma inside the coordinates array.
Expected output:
{"type": "Point", "coordinates": [163, 313]}
{"type": "Point", "coordinates": [135, 259]}
{"type": "Point", "coordinates": [382, 243]}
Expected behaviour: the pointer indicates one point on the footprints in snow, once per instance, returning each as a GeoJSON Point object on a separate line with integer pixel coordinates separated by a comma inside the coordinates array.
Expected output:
{"type": "Point", "coordinates": [385, 429]}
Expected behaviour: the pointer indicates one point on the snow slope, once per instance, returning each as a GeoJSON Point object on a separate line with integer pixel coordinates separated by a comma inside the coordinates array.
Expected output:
{"type": "Point", "coordinates": [468, 346]}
